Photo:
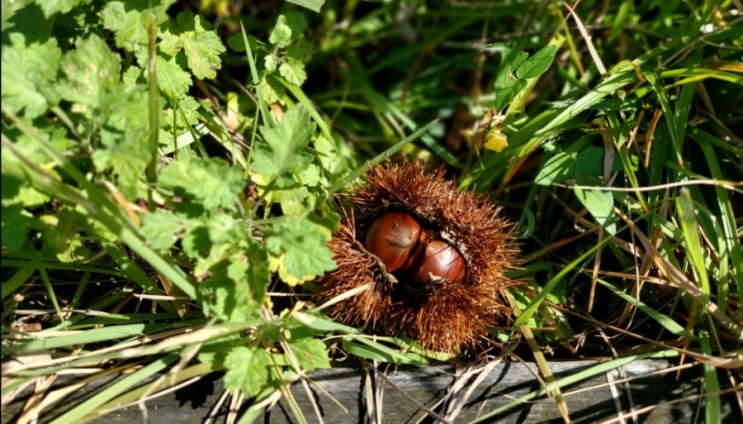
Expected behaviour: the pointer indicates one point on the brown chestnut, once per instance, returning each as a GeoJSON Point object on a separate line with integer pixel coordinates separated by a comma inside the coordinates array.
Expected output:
{"type": "Point", "coordinates": [427, 300]}
{"type": "Point", "coordinates": [404, 248]}
{"type": "Point", "coordinates": [392, 237]}
{"type": "Point", "coordinates": [441, 260]}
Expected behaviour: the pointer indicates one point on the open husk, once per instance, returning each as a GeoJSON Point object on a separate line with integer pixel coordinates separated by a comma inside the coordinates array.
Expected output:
{"type": "Point", "coordinates": [445, 316]}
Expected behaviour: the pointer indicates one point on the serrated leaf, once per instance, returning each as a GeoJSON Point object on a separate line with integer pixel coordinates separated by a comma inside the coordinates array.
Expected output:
{"type": "Point", "coordinates": [129, 27]}
{"type": "Point", "coordinates": [202, 51]}
{"type": "Point", "coordinates": [197, 244]}
{"type": "Point", "coordinates": [310, 176]}
{"type": "Point", "coordinates": [225, 294]}
{"type": "Point", "coordinates": [16, 191]}
{"type": "Point", "coordinates": [601, 206]}
{"type": "Point", "coordinates": [281, 34]}
{"type": "Point", "coordinates": [201, 46]}
{"type": "Point", "coordinates": [299, 245]}
{"type": "Point", "coordinates": [29, 73]}
{"type": "Point", "coordinates": [247, 370]}
{"type": "Point", "coordinates": [331, 160]}
{"type": "Point", "coordinates": [237, 43]}
{"type": "Point", "coordinates": [293, 71]}
{"type": "Point", "coordinates": [92, 71]}
{"type": "Point", "coordinates": [310, 353]}
{"type": "Point", "coordinates": [270, 63]}
{"type": "Point", "coordinates": [212, 182]}
{"type": "Point", "coordinates": [50, 7]}
{"type": "Point", "coordinates": [294, 201]}
{"type": "Point", "coordinates": [283, 154]}
{"type": "Point", "coordinates": [171, 78]}
{"type": "Point", "coordinates": [162, 229]}
{"type": "Point", "coordinates": [124, 140]}
{"type": "Point", "coordinates": [269, 91]}
{"type": "Point", "coordinates": [185, 107]}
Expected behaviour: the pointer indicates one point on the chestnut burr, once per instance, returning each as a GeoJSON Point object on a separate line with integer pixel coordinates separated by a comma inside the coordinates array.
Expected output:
{"type": "Point", "coordinates": [434, 259]}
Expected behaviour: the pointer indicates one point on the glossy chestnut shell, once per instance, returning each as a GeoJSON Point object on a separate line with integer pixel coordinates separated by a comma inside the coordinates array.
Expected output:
{"type": "Point", "coordinates": [441, 260]}
{"type": "Point", "coordinates": [392, 237]}
{"type": "Point", "coordinates": [412, 253]}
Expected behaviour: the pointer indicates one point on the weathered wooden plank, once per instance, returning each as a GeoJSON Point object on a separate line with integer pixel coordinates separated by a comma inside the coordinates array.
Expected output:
{"type": "Point", "coordinates": [590, 401]}
{"type": "Point", "coordinates": [403, 395]}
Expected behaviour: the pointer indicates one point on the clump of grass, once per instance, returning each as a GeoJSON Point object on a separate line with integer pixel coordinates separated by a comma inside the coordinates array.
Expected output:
{"type": "Point", "coordinates": [167, 184]}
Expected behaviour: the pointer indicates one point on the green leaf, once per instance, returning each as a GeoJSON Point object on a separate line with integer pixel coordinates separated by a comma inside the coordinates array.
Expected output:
{"type": "Point", "coordinates": [29, 74]}
{"type": "Point", "coordinates": [296, 21]}
{"type": "Point", "coordinates": [319, 323]}
{"type": "Point", "coordinates": [271, 92]}
{"type": "Point", "coordinates": [300, 50]}
{"type": "Point", "coordinates": [313, 5]}
{"type": "Point", "coordinates": [17, 191]}
{"type": "Point", "coordinates": [537, 64]}
{"type": "Point", "coordinates": [600, 204]}
{"type": "Point", "coordinates": [124, 140]}
{"type": "Point", "coordinates": [514, 71]}
{"type": "Point", "coordinates": [201, 46]}
{"type": "Point", "coordinates": [92, 71]}
{"type": "Point", "coordinates": [202, 51]}
{"type": "Point", "coordinates": [129, 27]}
{"type": "Point", "coordinates": [61, 236]}
{"type": "Point", "coordinates": [662, 319]}
{"type": "Point", "coordinates": [198, 245]}
{"type": "Point", "coordinates": [50, 7]}
{"type": "Point", "coordinates": [281, 35]}
{"type": "Point", "coordinates": [184, 115]}
{"type": "Point", "coordinates": [295, 202]}
{"type": "Point", "coordinates": [16, 223]}
{"type": "Point", "coordinates": [364, 347]}
{"type": "Point", "coordinates": [310, 353]}
{"type": "Point", "coordinates": [558, 168]}
{"type": "Point", "coordinates": [247, 370]}
{"type": "Point", "coordinates": [162, 229]}
{"type": "Point", "coordinates": [506, 83]}
{"type": "Point", "coordinates": [590, 162]}
{"type": "Point", "coordinates": [283, 154]}
{"type": "Point", "coordinates": [270, 63]}
{"type": "Point", "coordinates": [227, 294]}
{"type": "Point", "coordinates": [171, 78]}
{"type": "Point", "coordinates": [293, 71]}
{"type": "Point", "coordinates": [211, 182]}
{"type": "Point", "coordinates": [298, 245]}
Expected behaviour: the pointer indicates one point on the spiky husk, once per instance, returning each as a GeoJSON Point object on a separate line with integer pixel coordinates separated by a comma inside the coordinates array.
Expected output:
{"type": "Point", "coordinates": [448, 317]}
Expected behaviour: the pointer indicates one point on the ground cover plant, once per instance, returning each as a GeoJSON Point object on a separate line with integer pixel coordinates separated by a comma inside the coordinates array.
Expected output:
{"type": "Point", "coordinates": [169, 173]}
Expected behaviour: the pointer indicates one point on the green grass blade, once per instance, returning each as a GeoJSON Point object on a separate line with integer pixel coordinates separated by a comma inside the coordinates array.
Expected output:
{"type": "Point", "coordinates": [689, 226]}
{"type": "Point", "coordinates": [527, 313]}
{"type": "Point", "coordinates": [91, 406]}
{"type": "Point", "coordinates": [584, 375]}
{"type": "Point", "coordinates": [662, 319]}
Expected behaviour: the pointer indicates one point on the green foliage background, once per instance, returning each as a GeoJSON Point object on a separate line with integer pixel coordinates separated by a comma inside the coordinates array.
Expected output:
{"type": "Point", "coordinates": [168, 172]}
